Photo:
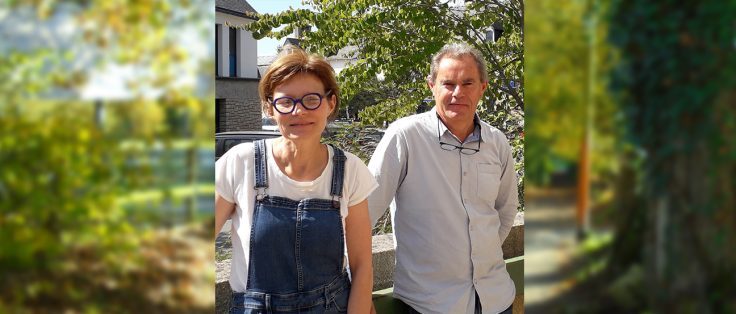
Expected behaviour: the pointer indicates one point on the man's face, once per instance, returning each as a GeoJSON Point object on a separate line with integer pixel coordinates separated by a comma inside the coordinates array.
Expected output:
{"type": "Point", "coordinates": [457, 90]}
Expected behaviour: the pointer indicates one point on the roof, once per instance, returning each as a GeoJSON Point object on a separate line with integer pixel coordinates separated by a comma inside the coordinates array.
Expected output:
{"type": "Point", "coordinates": [235, 7]}
{"type": "Point", "coordinates": [345, 53]}
{"type": "Point", "coordinates": [262, 70]}
{"type": "Point", "coordinates": [292, 41]}
{"type": "Point", "coordinates": [266, 60]}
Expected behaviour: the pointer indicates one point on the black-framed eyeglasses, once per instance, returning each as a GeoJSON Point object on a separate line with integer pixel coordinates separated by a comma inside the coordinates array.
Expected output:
{"type": "Point", "coordinates": [451, 147]}
{"type": "Point", "coordinates": [287, 105]}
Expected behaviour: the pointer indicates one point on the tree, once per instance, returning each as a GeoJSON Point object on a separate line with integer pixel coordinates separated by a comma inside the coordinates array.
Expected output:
{"type": "Point", "coordinates": [395, 40]}
{"type": "Point", "coordinates": [677, 85]}
{"type": "Point", "coordinates": [558, 51]}
{"type": "Point", "coordinates": [66, 243]}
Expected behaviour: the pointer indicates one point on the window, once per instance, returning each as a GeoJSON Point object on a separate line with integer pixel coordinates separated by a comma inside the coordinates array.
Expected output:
{"type": "Point", "coordinates": [217, 49]}
{"type": "Point", "coordinates": [219, 112]}
{"type": "Point", "coordinates": [233, 54]}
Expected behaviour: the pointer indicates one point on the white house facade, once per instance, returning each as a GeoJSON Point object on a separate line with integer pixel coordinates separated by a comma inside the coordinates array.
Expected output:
{"type": "Point", "coordinates": [236, 68]}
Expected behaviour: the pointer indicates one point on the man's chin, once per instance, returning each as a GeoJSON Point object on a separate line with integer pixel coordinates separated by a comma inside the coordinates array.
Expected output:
{"type": "Point", "coordinates": [458, 113]}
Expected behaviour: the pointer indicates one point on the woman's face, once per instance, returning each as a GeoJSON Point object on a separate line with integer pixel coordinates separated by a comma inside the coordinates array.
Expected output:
{"type": "Point", "coordinates": [302, 123]}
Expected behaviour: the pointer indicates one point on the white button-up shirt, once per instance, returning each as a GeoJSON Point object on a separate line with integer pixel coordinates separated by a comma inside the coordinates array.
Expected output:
{"type": "Point", "coordinates": [450, 213]}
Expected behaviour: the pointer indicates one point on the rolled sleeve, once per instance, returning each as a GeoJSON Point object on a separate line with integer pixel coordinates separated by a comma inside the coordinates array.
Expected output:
{"type": "Point", "coordinates": [230, 170]}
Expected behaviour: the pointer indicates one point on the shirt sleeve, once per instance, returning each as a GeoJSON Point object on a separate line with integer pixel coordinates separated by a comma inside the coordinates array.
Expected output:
{"type": "Point", "coordinates": [507, 200]}
{"type": "Point", "coordinates": [388, 166]}
{"type": "Point", "coordinates": [229, 172]}
{"type": "Point", "coordinates": [362, 182]}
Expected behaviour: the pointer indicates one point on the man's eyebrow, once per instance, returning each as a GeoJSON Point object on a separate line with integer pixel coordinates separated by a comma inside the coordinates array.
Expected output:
{"type": "Point", "coordinates": [469, 81]}
{"type": "Point", "coordinates": [447, 81]}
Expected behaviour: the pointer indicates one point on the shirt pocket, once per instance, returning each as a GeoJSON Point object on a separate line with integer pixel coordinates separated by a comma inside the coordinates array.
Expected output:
{"type": "Point", "coordinates": [489, 179]}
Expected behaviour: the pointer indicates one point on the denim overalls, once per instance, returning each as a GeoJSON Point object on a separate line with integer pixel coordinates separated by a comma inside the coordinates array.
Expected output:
{"type": "Point", "coordinates": [296, 250]}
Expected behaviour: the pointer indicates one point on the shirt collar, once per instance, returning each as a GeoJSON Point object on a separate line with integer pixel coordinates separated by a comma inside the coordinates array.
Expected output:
{"type": "Point", "coordinates": [475, 136]}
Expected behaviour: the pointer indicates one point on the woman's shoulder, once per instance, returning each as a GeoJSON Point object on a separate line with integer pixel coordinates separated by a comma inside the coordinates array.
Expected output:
{"type": "Point", "coordinates": [356, 168]}
{"type": "Point", "coordinates": [241, 151]}
{"type": "Point", "coordinates": [350, 157]}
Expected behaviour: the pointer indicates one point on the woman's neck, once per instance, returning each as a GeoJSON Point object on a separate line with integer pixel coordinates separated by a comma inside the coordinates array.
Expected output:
{"type": "Point", "coordinates": [300, 160]}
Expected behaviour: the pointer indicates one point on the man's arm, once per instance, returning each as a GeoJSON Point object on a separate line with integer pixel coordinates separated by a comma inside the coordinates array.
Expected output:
{"type": "Point", "coordinates": [388, 166]}
{"type": "Point", "coordinates": [507, 200]}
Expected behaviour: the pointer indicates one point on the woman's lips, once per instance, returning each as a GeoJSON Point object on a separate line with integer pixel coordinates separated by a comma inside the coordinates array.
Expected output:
{"type": "Point", "coordinates": [301, 123]}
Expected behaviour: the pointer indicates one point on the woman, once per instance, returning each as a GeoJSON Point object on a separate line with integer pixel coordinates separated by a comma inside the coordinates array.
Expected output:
{"type": "Point", "coordinates": [299, 213]}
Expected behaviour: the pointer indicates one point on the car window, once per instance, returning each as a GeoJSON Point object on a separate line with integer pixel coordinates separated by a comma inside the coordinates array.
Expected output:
{"type": "Point", "coordinates": [225, 142]}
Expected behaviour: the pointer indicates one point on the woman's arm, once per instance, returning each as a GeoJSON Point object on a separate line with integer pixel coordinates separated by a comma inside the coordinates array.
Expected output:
{"type": "Point", "coordinates": [358, 237]}
{"type": "Point", "coordinates": [223, 210]}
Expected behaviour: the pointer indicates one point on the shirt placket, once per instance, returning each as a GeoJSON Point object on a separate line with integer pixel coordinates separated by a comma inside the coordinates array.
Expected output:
{"type": "Point", "coordinates": [468, 182]}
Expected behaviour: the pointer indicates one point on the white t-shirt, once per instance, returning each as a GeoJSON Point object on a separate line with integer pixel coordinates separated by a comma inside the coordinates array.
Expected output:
{"type": "Point", "coordinates": [234, 181]}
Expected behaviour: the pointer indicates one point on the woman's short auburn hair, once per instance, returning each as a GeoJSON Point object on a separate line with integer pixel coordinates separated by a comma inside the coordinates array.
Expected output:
{"type": "Point", "coordinates": [291, 62]}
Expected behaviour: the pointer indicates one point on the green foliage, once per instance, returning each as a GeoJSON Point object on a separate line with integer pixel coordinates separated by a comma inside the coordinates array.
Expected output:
{"type": "Point", "coordinates": [395, 39]}
{"type": "Point", "coordinates": [66, 242]}
{"type": "Point", "coordinates": [628, 290]}
{"type": "Point", "coordinates": [684, 70]}
{"type": "Point", "coordinates": [361, 141]}
{"type": "Point", "coordinates": [56, 183]}
{"type": "Point", "coordinates": [387, 111]}
{"type": "Point", "coordinates": [57, 175]}
{"type": "Point", "coordinates": [562, 45]}
{"type": "Point", "coordinates": [676, 86]}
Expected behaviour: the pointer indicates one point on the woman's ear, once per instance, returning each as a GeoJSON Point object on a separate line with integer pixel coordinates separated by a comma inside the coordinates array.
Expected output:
{"type": "Point", "coordinates": [332, 102]}
{"type": "Point", "coordinates": [269, 110]}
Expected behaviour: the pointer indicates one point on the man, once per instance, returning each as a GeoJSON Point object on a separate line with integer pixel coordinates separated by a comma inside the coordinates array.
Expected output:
{"type": "Point", "coordinates": [450, 180]}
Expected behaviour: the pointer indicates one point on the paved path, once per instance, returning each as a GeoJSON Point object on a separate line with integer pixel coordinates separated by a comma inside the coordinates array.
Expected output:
{"type": "Point", "coordinates": [550, 240]}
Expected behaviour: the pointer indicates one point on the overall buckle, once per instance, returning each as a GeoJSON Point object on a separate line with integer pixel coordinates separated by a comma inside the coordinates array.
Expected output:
{"type": "Point", "coordinates": [261, 194]}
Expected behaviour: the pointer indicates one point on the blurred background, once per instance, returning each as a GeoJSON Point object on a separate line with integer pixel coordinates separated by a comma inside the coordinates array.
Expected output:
{"type": "Point", "coordinates": [631, 156]}
{"type": "Point", "coordinates": [106, 156]}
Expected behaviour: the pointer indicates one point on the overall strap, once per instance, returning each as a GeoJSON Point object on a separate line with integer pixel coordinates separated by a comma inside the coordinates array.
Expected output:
{"type": "Point", "coordinates": [338, 175]}
{"type": "Point", "coordinates": [261, 170]}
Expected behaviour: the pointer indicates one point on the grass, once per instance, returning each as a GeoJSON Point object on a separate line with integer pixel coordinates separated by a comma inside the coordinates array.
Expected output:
{"type": "Point", "coordinates": [222, 256]}
{"type": "Point", "coordinates": [223, 248]}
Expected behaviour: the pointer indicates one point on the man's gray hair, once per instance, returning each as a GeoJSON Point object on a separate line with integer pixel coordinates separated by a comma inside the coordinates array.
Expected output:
{"type": "Point", "coordinates": [457, 51]}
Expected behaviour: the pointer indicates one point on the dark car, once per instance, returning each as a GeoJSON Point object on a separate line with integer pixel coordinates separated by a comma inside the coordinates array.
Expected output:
{"type": "Point", "coordinates": [226, 140]}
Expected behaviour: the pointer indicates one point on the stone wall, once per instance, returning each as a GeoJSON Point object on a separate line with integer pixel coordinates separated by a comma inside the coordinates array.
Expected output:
{"type": "Point", "coordinates": [384, 258]}
{"type": "Point", "coordinates": [383, 262]}
{"type": "Point", "coordinates": [241, 109]}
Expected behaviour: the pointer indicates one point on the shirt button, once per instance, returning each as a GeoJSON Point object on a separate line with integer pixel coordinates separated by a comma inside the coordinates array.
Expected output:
{"type": "Point", "coordinates": [475, 281]}
{"type": "Point", "coordinates": [465, 173]}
